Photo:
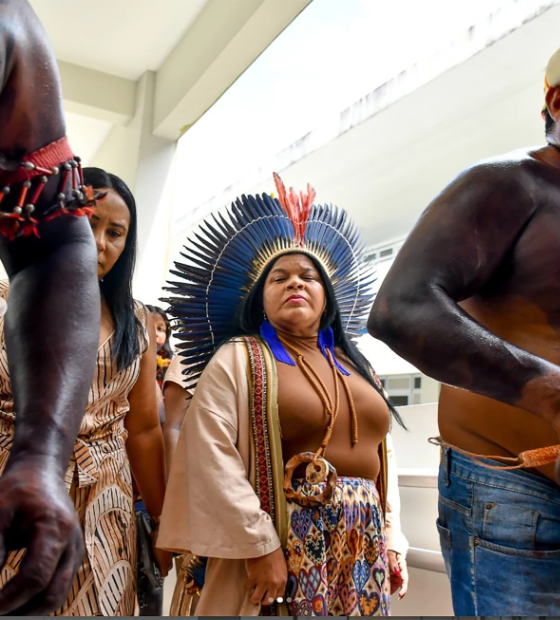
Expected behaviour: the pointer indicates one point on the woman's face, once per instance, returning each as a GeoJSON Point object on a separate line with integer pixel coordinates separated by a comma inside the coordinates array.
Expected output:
{"type": "Point", "coordinates": [110, 223]}
{"type": "Point", "coordinates": [161, 329]}
{"type": "Point", "coordinates": [294, 295]}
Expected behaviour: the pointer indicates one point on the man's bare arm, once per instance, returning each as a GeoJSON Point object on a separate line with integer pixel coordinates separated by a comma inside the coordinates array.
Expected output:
{"type": "Point", "coordinates": [52, 330]}
{"type": "Point", "coordinates": [31, 108]}
{"type": "Point", "coordinates": [451, 254]}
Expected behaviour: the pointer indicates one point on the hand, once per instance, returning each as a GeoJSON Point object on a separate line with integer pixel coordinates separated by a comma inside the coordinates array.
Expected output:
{"type": "Point", "coordinates": [164, 559]}
{"type": "Point", "coordinates": [398, 573]}
{"type": "Point", "coordinates": [267, 577]}
{"type": "Point", "coordinates": [36, 513]}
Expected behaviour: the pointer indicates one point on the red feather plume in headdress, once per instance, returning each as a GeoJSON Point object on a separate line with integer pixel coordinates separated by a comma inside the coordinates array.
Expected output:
{"type": "Point", "coordinates": [297, 207]}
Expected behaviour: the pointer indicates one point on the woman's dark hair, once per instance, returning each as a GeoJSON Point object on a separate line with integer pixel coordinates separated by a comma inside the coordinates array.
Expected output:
{"type": "Point", "coordinates": [250, 313]}
{"type": "Point", "coordinates": [116, 286]}
{"type": "Point", "coordinates": [166, 345]}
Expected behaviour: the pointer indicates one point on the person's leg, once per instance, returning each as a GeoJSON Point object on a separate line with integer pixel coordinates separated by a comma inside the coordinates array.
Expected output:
{"type": "Point", "coordinates": [455, 526]}
{"type": "Point", "coordinates": [517, 546]}
{"type": "Point", "coordinates": [513, 531]}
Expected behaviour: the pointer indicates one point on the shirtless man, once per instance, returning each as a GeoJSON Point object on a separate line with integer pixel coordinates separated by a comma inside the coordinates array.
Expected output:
{"type": "Point", "coordinates": [473, 300]}
{"type": "Point", "coordinates": [53, 310]}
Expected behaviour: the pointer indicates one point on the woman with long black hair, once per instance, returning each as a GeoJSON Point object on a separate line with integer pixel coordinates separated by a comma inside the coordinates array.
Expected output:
{"type": "Point", "coordinates": [282, 475]}
{"type": "Point", "coordinates": [120, 429]}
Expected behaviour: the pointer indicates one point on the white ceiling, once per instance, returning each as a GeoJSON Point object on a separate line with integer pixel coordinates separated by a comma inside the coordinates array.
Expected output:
{"type": "Point", "coordinates": [121, 37]}
{"type": "Point", "coordinates": [104, 47]}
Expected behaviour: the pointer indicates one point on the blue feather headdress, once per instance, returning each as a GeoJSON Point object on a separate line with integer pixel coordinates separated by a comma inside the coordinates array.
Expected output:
{"type": "Point", "coordinates": [227, 253]}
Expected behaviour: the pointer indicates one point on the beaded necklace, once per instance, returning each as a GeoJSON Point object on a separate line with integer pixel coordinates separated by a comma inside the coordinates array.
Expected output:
{"type": "Point", "coordinates": [319, 469]}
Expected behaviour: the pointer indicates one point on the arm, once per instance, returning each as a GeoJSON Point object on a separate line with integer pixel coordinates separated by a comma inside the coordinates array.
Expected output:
{"type": "Point", "coordinates": [53, 281]}
{"type": "Point", "coordinates": [31, 109]}
{"type": "Point", "coordinates": [396, 540]}
{"type": "Point", "coordinates": [144, 445]}
{"type": "Point", "coordinates": [397, 544]}
{"type": "Point", "coordinates": [209, 468]}
{"type": "Point", "coordinates": [177, 401]}
{"type": "Point", "coordinates": [52, 331]}
{"type": "Point", "coordinates": [240, 528]}
{"type": "Point", "coordinates": [7, 40]}
{"type": "Point", "coordinates": [453, 251]}
{"type": "Point", "coordinates": [209, 476]}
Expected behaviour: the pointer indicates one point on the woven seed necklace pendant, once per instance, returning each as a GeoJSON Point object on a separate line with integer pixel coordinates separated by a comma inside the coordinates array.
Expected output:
{"type": "Point", "coordinates": [317, 471]}
{"type": "Point", "coordinates": [315, 466]}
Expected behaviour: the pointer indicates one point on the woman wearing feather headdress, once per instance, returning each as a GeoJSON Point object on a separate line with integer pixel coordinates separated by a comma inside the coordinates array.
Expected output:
{"type": "Point", "coordinates": [268, 300]}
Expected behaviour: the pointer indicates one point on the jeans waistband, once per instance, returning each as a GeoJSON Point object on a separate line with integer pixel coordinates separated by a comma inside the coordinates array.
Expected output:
{"type": "Point", "coordinates": [455, 463]}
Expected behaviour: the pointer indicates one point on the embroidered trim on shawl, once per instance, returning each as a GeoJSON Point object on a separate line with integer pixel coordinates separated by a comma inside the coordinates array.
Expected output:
{"type": "Point", "coordinates": [266, 449]}
{"type": "Point", "coordinates": [259, 424]}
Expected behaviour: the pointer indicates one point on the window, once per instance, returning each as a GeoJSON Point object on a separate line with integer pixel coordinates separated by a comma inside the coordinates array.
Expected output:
{"type": "Point", "coordinates": [398, 383]}
{"type": "Point", "coordinates": [403, 389]}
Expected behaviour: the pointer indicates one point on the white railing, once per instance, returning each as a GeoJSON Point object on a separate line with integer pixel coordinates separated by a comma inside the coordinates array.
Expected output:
{"type": "Point", "coordinates": [419, 556]}
{"type": "Point", "coordinates": [425, 559]}
{"type": "Point", "coordinates": [418, 478]}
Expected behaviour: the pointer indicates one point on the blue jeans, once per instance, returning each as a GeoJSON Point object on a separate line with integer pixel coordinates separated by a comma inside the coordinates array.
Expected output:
{"type": "Point", "coordinates": [500, 539]}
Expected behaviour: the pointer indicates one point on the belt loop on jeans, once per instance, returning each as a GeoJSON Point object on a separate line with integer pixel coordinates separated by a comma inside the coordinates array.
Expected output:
{"type": "Point", "coordinates": [445, 463]}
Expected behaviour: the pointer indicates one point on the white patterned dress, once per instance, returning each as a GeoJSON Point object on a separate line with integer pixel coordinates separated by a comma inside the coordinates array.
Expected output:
{"type": "Point", "coordinates": [99, 482]}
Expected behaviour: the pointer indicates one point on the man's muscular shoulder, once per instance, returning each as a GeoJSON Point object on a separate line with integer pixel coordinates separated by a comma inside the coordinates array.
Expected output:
{"type": "Point", "coordinates": [522, 169]}
{"type": "Point", "coordinates": [493, 188]}
{"type": "Point", "coordinates": [517, 168]}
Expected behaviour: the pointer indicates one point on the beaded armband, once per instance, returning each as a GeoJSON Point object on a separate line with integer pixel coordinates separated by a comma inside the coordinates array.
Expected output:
{"type": "Point", "coordinates": [28, 179]}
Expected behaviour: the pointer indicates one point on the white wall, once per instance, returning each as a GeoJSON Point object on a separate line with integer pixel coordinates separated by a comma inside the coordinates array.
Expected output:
{"type": "Point", "coordinates": [418, 461]}
{"type": "Point", "coordinates": [144, 162]}
{"type": "Point", "coordinates": [430, 390]}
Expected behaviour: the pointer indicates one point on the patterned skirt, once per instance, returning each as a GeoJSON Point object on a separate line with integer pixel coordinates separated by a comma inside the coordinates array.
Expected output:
{"type": "Point", "coordinates": [336, 553]}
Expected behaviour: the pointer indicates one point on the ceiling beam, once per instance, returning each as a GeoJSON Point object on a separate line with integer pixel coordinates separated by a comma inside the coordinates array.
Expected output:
{"type": "Point", "coordinates": [223, 42]}
{"type": "Point", "coordinates": [96, 94]}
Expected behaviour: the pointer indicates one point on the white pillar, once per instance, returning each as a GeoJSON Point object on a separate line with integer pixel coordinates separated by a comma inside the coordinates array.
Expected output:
{"type": "Point", "coordinates": [144, 162]}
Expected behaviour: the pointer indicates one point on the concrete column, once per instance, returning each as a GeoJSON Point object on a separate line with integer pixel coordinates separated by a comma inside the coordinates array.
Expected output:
{"type": "Point", "coordinates": [144, 161]}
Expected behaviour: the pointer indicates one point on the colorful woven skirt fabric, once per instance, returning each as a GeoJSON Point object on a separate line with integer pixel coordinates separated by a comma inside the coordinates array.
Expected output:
{"type": "Point", "coordinates": [336, 553]}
